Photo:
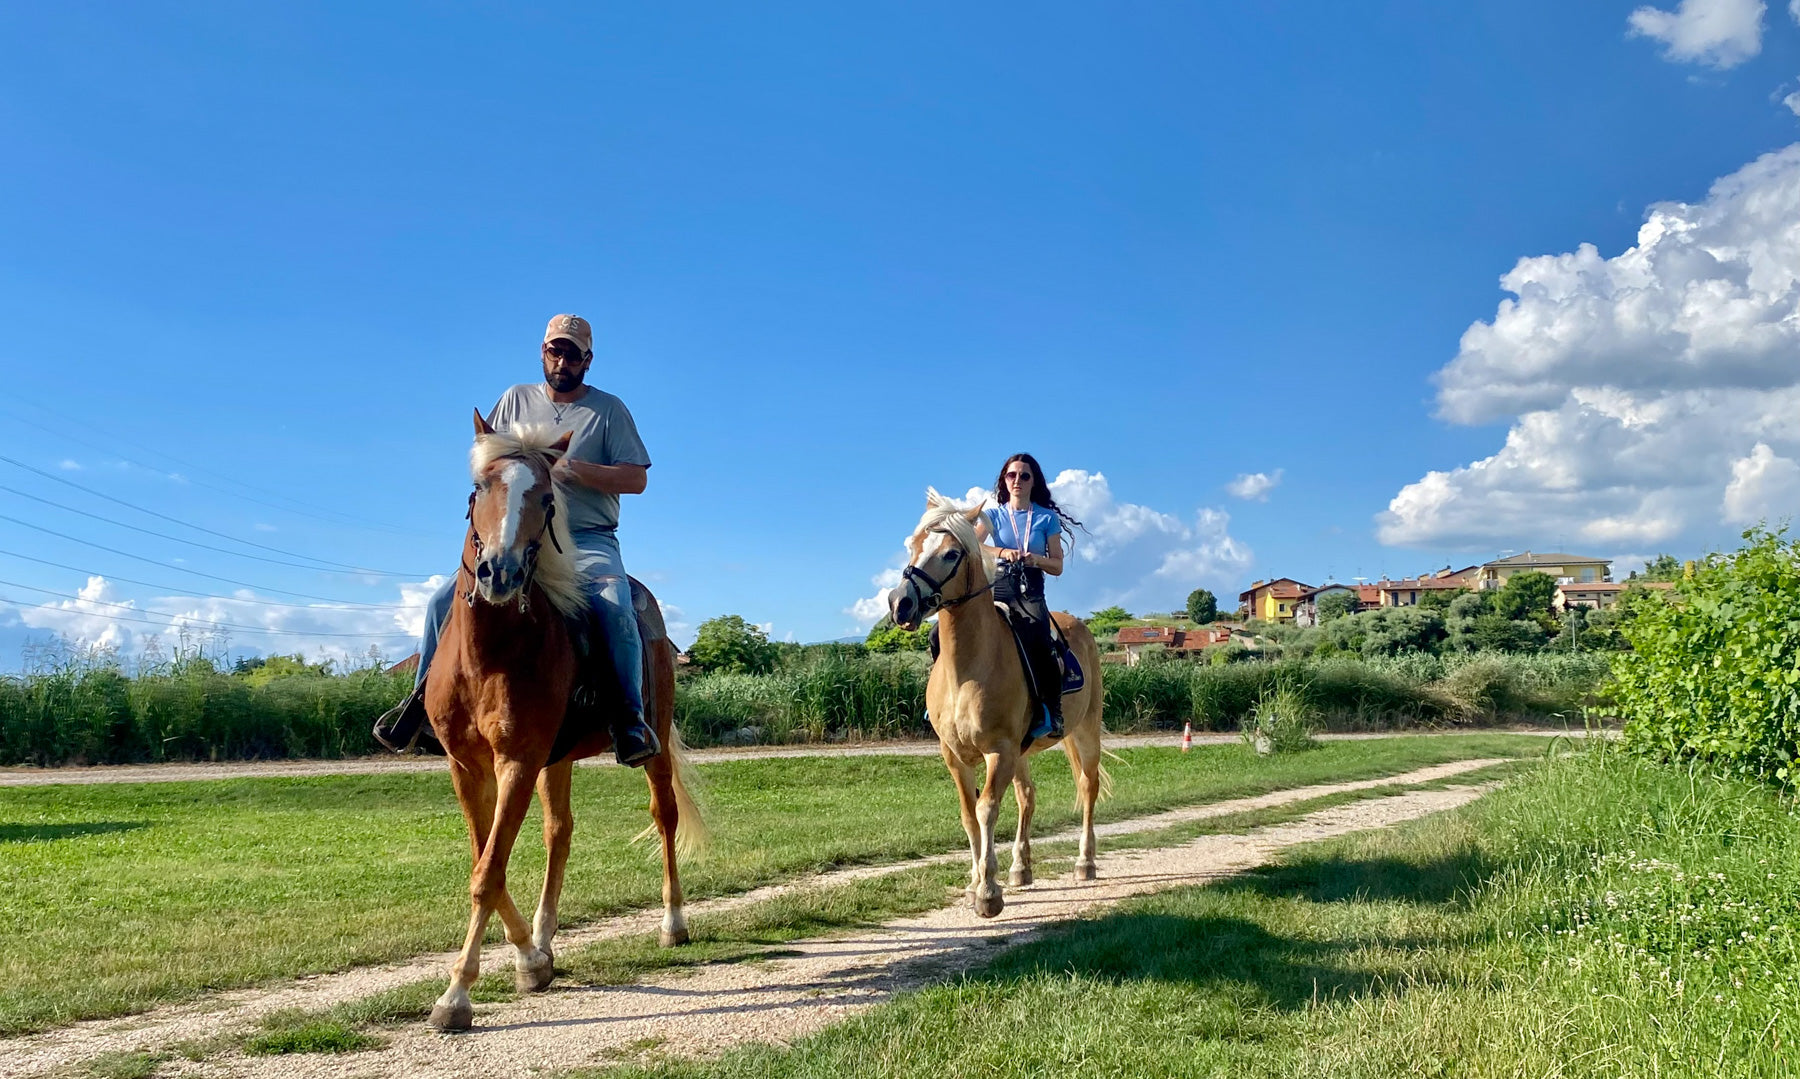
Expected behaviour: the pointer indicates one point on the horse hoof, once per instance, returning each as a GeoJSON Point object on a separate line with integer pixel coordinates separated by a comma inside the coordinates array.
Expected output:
{"type": "Point", "coordinates": [989, 906]}
{"type": "Point", "coordinates": [672, 938]}
{"type": "Point", "coordinates": [537, 977]}
{"type": "Point", "coordinates": [1019, 877]}
{"type": "Point", "coordinates": [451, 1018]}
{"type": "Point", "coordinates": [1084, 872]}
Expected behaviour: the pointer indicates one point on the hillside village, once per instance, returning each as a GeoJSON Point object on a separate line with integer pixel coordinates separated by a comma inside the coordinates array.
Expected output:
{"type": "Point", "coordinates": [1580, 582]}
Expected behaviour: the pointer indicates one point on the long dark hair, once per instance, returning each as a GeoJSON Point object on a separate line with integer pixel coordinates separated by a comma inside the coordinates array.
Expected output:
{"type": "Point", "coordinates": [1040, 490]}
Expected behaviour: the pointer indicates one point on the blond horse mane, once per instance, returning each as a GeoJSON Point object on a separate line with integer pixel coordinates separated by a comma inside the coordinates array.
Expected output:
{"type": "Point", "coordinates": [562, 581]}
{"type": "Point", "coordinates": [944, 514]}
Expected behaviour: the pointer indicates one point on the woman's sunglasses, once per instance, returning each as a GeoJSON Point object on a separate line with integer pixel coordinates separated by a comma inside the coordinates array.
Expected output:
{"type": "Point", "coordinates": [1019, 477]}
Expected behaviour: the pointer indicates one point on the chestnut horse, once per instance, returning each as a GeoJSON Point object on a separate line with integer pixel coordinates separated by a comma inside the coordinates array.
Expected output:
{"type": "Point", "coordinates": [497, 693]}
{"type": "Point", "coordinates": [979, 701]}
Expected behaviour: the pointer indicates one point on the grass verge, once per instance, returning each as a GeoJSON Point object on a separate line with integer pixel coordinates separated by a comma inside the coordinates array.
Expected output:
{"type": "Point", "coordinates": [168, 890]}
{"type": "Point", "coordinates": [1598, 916]}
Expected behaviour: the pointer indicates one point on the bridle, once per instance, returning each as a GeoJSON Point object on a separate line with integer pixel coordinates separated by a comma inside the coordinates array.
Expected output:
{"type": "Point", "coordinates": [531, 550]}
{"type": "Point", "coordinates": [934, 600]}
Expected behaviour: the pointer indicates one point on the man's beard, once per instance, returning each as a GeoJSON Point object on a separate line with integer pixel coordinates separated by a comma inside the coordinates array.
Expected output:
{"type": "Point", "coordinates": [560, 379]}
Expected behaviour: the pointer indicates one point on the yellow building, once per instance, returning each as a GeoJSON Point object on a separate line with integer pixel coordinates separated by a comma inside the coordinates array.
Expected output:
{"type": "Point", "coordinates": [1273, 601]}
{"type": "Point", "coordinates": [1573, 568]}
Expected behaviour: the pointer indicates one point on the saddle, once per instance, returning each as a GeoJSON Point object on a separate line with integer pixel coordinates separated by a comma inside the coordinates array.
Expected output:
{"type": "Point", "coordinates": [1072, 677]}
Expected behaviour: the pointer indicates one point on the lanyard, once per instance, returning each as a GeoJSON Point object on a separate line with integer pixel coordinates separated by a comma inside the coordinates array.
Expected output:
{"type": "Point", "coordinates": [1025, 541]}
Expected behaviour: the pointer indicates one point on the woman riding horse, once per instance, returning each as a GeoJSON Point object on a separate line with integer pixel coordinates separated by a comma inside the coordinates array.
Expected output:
{"type": "Point", "coordinates": [1024, 533]}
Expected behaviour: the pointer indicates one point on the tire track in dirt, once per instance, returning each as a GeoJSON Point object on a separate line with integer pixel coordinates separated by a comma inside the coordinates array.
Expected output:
{"type": "Point", "coordinates": [959, 944]}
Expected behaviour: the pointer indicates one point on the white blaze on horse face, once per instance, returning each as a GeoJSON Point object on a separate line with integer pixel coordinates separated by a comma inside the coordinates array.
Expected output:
{"type": "Point", "coordinates": [518, 480]}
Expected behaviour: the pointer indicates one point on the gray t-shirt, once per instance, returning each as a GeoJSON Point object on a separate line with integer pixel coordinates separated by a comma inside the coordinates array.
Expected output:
{"type": "Point", "coordinates": [604, 434]}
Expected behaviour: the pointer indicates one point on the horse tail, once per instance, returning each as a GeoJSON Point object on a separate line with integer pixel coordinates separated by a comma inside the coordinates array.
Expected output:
{"type": "Point", "coordinates": [691, 832]}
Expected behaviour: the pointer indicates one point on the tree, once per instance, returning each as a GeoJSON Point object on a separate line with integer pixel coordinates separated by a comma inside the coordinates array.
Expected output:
{"type": "Point", "coordinates": [1440, 599]}
{"type": "Point", "coordinates": [887, 637]}
{"type": "Point", "coordinates": [1202, 606]}
{"type": "Point", "coordinates": [1663, 567]}
{"type": "Point", "coordinates": [728, 643]}
{"type": "Point", "coordinates": [1525, 594]}
{"type": "Point", "coordinates": [1334, 605]}
{"type": "Point", "coordinates": [1107, 620]}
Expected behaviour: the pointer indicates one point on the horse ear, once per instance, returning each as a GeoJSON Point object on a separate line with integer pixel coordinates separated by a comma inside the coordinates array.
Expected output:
{"type": "Point", "coordinates": [973, 513]}
{"type": "Point", "coordinates": [560, 446]}
{"type": "Point", "coordinates": [481, 425]}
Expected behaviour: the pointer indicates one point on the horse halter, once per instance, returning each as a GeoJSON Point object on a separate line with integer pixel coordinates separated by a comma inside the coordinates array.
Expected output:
{"type": "Point", "coordinates": [531, 550]}
{"type": "Point", "coordinates": [934, 600]}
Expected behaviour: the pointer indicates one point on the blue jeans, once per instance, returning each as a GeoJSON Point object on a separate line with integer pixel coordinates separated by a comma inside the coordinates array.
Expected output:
{"type": "Point", "coordinates": [609, 595]}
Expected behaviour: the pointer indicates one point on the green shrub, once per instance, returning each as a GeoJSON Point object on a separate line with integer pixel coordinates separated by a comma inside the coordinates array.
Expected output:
{"type": "Point", "coordinates": [1282, 721]}
{"type": "Point", "coordinates": [1714, 671]}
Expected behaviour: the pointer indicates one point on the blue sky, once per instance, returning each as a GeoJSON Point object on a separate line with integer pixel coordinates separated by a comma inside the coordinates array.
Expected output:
{"type": "Point", "coordinates": [258, 263]}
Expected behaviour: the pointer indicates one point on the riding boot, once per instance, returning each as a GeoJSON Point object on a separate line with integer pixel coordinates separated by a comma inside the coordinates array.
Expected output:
{"type": "Point", "coordinates": [406, 725]}
{"type": "Point", "coordinates": [634, 741]}
{"type": "Point", "coordinates": [1047, 674]}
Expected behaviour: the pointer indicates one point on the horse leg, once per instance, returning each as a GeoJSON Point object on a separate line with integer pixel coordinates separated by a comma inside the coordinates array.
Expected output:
{"type": "Point", "coordinates": [1026, 791]}
{"type": "Point", "coordinates": [1083, 750]}
{"type": "Point", "coordinates": [487, 894]}
{"type": "Point", "coordinates": [553, 785]}
{"type": "Point", "coordinates": [989, 901]}
{"type": "Point", "coordinates": [964, 775]}
{"type": "Point", "coordinates": [664, 809]}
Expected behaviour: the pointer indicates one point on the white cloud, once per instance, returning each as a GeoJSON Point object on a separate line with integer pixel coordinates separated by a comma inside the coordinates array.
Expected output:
{"type": "Point", "coordinates": [1718, 33]}
{"type": "Point", "coordinates": [1254, 486]}
{"type": "Point", "coordinates": [100, 614]}
{"type": "Point", "coordinates": [1794, 10]}
{"type": "Point", "coordinates": [1763, 487]}
{"type": "Point", "coordinates": [1138, 557]}
{"type": "Point", "coordinates": [70, 464]}
{"type": "Point", "coordinates": [1637, 388]}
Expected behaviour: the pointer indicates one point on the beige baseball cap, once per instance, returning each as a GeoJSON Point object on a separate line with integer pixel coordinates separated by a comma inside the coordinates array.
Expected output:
{"type": "Point", "coordinates": [573, 329]}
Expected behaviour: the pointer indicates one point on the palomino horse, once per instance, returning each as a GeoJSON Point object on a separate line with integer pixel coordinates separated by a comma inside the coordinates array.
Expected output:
{"type": "Point", "coordinates": [979, 702]}
{"type": "Point", "coordinates": [497, 692]}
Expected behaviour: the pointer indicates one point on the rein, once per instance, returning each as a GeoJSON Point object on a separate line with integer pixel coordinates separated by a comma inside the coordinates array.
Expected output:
{"type": "Point", "coordinates": [531, 552]}
{"type": "Point", "coordinates": [915, 574]}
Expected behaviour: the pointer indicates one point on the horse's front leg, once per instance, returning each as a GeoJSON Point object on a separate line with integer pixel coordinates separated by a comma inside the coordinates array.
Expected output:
{"type": "Point", "coordinates": [487, 895]}
{"type": "Point", "coordinates": [988, 899]}
{"type": "Point", "coordinates": [964, 777]}
{"type": "Point", "coordinates": [1026, 791]}
{"type": "Point", "coordinates": [553, 784]}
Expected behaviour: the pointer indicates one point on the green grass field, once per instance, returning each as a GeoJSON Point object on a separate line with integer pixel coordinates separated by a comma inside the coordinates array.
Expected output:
{"type": "Point", "coordinates": [121, 897]}
{"type": "Point", "coordinates": [1597, 917]}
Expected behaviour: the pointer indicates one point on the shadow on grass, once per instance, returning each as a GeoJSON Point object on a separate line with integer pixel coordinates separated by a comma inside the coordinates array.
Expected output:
{"type": "Point", "coordinates": [1445, 879]}
{"type": "Point", "coordinates": [1340, 954]}
{"type": "Point", "coordinates": [48, 833]}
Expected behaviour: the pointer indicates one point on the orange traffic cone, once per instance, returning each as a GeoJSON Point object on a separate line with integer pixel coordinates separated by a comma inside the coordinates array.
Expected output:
{"type": "Point", "coordinates": [1187, 737]}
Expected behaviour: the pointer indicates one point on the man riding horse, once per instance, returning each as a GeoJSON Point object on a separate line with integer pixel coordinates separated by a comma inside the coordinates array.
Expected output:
{"type": "Point", "coordinates": [605, 459]}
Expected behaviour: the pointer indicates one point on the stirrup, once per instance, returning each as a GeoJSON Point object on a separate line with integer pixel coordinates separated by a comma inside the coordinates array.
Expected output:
{"type": "Point", "coordinates": [1045, 727]}
{"type": "Point", "coordinates": [644, 749]}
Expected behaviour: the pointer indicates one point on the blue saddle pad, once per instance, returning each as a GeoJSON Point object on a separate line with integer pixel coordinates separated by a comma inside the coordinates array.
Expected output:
{"type": "Point", "coordinates": [1073, 679]}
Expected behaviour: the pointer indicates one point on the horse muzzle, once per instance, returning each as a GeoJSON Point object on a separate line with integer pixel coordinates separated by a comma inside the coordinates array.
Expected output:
{"type": "Point", "coordinates": [908, 608]}
{"type": "Point", "coordinates": [500, 578]}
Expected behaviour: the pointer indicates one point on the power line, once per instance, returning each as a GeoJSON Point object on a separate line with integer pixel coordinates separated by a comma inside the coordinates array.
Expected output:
{"type": "Point", "coordinates": [208, 595]}
{"type": "Point", "coordinates": [327, 567]}
{"type": "Point", "coordinates": [208, 623]}
{"type": "Point", "coordinates": [167, 565]}
{"type": "Point", "coordinates": [332, 516]}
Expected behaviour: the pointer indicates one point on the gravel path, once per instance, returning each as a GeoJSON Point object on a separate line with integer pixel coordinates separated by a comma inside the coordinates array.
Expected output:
{"type": "Point", "coordinates": [718, 1006]}
{"type": "Point", "coordinates": [174, 773]}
